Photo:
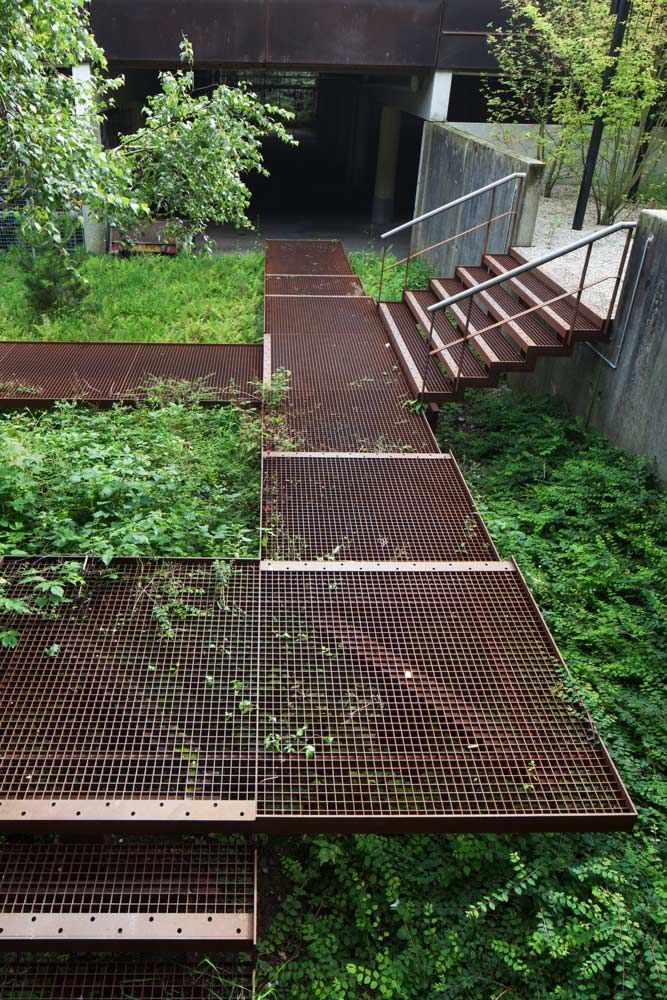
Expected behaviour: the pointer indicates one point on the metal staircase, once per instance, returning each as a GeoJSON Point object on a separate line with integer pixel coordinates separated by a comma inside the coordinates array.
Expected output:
{"type": "Point", "coordinates": [494, 316]}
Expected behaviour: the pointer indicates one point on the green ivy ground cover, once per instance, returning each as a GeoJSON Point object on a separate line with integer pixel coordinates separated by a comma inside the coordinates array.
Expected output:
{"type": "Point", "coordinates": [167, 479]}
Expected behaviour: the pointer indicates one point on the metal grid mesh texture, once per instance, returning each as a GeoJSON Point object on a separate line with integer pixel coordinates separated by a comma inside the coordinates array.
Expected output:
{"type": "Point", "coordinates": [306, 257]}
{"type": "Point", "coordinates": [347, 390]}
{"type": "Point", "coordinates": [358, 420]}
{"type": "Point", "coordinates": [126, 893]}
{"type": "Point", "coordinates": [141, 980]}
{"type": "Point", "coordinates": [375, 508]}
{"type": "Point", "coordinates": [392, 694]}
{"type": "Point", "coordinates": [132, 700]}
{"type": "Point", "coordinates": [286, 285]}
{"type": "Point", "coordinates": [31, 373]}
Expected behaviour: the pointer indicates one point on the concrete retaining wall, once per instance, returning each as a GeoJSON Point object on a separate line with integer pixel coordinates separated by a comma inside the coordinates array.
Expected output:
{"type": "Point", "coordinates": [453, 163]}
{"type": "Point", "coordinates": [627, 404]}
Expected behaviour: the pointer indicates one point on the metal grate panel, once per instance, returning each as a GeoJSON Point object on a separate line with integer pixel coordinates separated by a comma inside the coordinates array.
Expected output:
{"type": "Point", "coordinates": [283, 284]}
{"type": "Point", "coordinates": [396, 698]}
{"type": "Point", "coordinates": [132, 702]}
{"type": "Point", "coordinates": [322, 317]}
{"type": "Point", "coordinates": [306, 257]}
{"type": "Point", "coordinates": [76, 980]}
{"type": "Point", "coordinates": [347, 390]}
{"type": "Point", "coordinates": [39, 373]}
{"type": "Point", "coordinates": [119, 895]}
{"type": "Point", "coordinates": [386, 507]}
{"type": "Point", "coordinates": [371, 419]}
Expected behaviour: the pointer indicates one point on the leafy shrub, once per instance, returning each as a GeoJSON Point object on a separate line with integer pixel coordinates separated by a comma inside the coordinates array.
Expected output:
{"type": "Point", "coordinates": [51, 282]}
{"type": "Point", "coordinates": [163, 480]}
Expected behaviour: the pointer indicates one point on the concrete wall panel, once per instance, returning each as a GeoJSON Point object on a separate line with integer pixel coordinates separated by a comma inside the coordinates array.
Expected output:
{"type": "Point", "coordinates": [454, 163]}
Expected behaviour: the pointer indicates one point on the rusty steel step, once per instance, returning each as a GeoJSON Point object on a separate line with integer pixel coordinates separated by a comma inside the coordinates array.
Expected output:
{"type": "Point", "coordinates": [347, 390]}
{"type": "Point", "coordinates": [369, 508]}
{"type": "Point", "coordinates": [460, 362]}
{"type": "Point", "coordinates": [285, 284]}
{"type": "Point", "coordinates": [497, 353]}
{"type": "Point", "coordinates": [531, 289]}
{"type": "Point", "coordinates": [393, 696]}
{"type": "Point", "coordinates": [413, 355]}
{"type": "Point", "coordinates": [403, 696]}
{"type": "Point", "coordinates": [185, 895]}
{"type": "Point", "coordinates": [76, 979]}
{"type": "Point", "coordinates": [39, 374]}
{"type": "Point", "coordinates": [531, 336]}
{"type": "Point", "coordinates": [589, 316]}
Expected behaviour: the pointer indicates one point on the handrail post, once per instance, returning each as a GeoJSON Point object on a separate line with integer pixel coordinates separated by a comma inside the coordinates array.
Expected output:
{"type": "Point", "coordinates": [582, 282]}
{"type": "Point", "coordinates": [517, 206]}
{"type": "Point", "coordinates": [428, 359]}
{"type": "Point", "coordinates": [617, 283]}
{"type": "Point", "coordinates": [464, 344]}
{"type": "Point", "coordinates": [407, 269]}
{"type": "Point", "coordinates": [384, 255]}
{"type": "Point", "coordinates": [488, 223]}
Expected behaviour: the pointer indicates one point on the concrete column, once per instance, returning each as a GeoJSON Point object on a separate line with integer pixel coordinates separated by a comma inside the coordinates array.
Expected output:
{"type": "Point", "coordinates": [434, 106]}
{"type": "Point", "coordinates": [385, 175]}
{"type": "Point", "coordinates": [94, 233]}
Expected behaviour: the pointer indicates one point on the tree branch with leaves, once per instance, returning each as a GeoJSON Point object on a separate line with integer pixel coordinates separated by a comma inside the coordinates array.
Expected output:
{"type": "Point", "coordinates": [190, 159]}
{"type": "Point", "coordinates": [552, 57]}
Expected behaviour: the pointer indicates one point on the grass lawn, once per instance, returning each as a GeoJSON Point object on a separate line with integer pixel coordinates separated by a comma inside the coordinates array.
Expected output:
{"type": "Point", "coordinates": [197, 299]}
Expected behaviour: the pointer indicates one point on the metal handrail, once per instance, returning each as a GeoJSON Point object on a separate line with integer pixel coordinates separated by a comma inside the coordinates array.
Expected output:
{"type": "Point", "coordinates": [469, 293]}
{"type": "Point", "coordinates": [531, 264]}
{"type": "Point", "coordinates": [452, 204]}
{"type": "Point", "coordinates": [517, 200]}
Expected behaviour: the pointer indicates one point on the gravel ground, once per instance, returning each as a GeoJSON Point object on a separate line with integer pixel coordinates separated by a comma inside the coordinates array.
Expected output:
{"type": "Point", "coordinates": [553, 230]}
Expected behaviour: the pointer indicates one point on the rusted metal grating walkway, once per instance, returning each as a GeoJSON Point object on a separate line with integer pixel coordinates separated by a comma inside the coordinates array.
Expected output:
{"type": "Point", "coordinates": [304, 258]}
{"type": "Point", "coordinates": [382, 671]}
{"type": "Point", "coordinates": [132, 704]}
{"type": "Point", "coordinates": [407, 679]}
{"type": "Point", "coordinates": [38, 374]}
{"type": "Point", "coordinates": [140, 980]}
{"type": "Point", "coordinates": [389, 695]}
{"type": "Point", "coordinates": [138, 895]}
{"type": "Point", "coordinates": [347, 390]}
{"type": "Point", "coordinates": [431, 697]}
{"type": "Point", "coordinates": [369, 508]}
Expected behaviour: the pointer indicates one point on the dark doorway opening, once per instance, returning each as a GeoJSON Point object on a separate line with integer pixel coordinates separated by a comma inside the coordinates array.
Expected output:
{"type": "Point", "coordinates": [322, 187]}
